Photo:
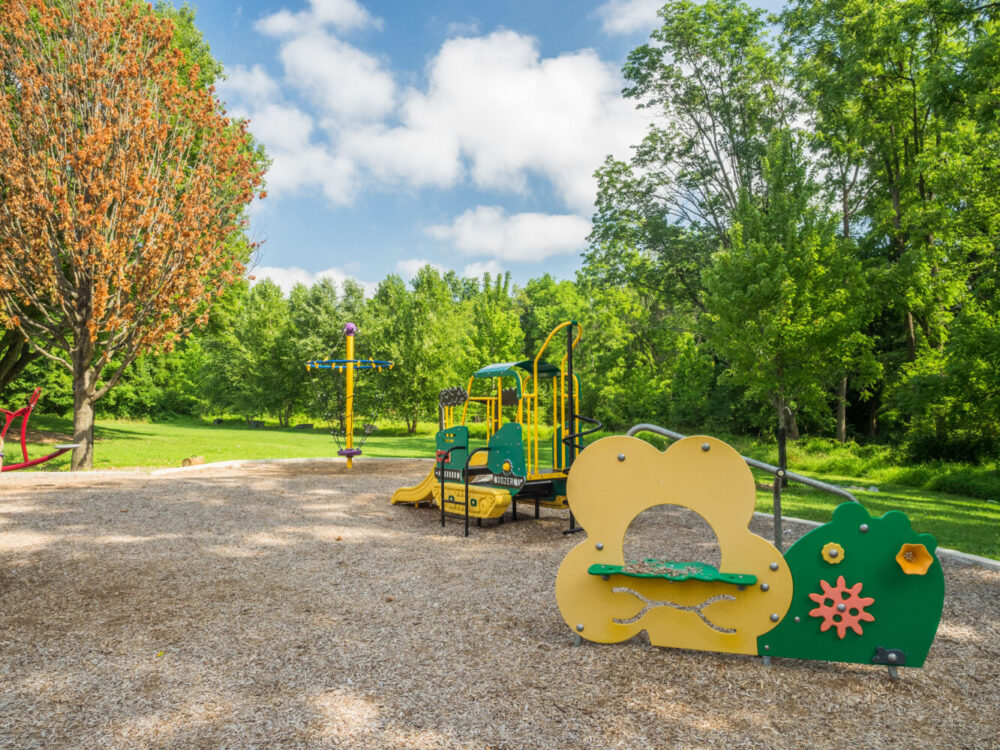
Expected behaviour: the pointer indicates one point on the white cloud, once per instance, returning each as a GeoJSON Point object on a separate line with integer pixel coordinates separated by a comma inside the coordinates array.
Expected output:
{"type": "Point", "coordinates": [476, 270]}
{"type": "Point", "coordinates": [408, 268]}
{"type": "Point", "coordinates": [495, 103]}
{"type": "Point", "coordinates": [493, 112]}
{"type": "Point", "coordinates": [416, 157]}
{"type": "Point", "coordinates": [628, 16]}
{"type": "Point", "coordinates": [286, 278]}
{"type": "Point", "coordinates": [490, 231]}
{"type": "Point", "coordinates": [297, 161]}
{"type": "Point", "coordinates": [343, 15]}
{"type": "Point", "coordinates": [250, 86]}
{"type": "Point", "coordinates": [339, 78]}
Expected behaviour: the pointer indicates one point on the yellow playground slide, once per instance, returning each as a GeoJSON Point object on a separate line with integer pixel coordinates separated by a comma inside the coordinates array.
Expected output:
{"type": "Point", "coordinates": [421, 493]}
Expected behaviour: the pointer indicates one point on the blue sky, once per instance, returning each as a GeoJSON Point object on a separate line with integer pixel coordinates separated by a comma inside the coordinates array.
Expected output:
{"type": "Point", "coordinates": [463, 134]}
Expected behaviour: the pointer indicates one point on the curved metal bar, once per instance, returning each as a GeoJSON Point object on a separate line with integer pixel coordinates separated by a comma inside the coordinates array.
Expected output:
{"type": "Point", "coordinates": [808, 481]}
{"type": "Point", "coordinates": [582, 433]}
{"type": "Point", "coordinates": [36, 461]}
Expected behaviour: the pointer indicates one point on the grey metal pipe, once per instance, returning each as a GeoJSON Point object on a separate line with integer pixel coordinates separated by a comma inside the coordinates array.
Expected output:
{"type": "Point", "coordinates": [808, 481]}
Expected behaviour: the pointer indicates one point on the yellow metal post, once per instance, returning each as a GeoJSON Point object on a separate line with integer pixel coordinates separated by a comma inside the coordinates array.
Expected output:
{"type": "Point", "coordinates": [349, 398]}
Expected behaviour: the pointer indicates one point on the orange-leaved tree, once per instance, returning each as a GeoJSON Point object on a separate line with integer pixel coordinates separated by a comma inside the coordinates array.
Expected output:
{"type": "Point", "coordinates": [123, 189]}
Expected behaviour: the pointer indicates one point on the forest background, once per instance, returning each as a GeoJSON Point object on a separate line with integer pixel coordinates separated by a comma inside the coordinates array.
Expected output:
{"type": "Point", "coordinates": [807, 237]}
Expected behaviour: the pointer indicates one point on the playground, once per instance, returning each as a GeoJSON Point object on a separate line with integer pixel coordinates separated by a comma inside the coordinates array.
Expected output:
{"type": "Point", "coordinates": [290, 605]}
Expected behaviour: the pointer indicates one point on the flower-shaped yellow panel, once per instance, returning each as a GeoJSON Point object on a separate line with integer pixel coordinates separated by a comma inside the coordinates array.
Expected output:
{"type": "Point", "coordinates": [617, 478]}
{"type": "Point", "coordinates": [914, 559]}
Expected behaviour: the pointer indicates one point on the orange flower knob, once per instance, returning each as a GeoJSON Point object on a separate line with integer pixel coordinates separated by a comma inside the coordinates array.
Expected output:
{"type": "Point", "coordinates": [914, 559]}
{"type": "Point", "coordinates": [833, 553]}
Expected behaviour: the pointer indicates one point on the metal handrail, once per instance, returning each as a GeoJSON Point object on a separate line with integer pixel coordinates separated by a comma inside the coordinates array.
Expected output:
{"type": "Point", "coordinates": [778, 472]}
{"type": "Point", "coordinates": [468, 460]}
{"type": "Point", "coordinates": [446, 458]}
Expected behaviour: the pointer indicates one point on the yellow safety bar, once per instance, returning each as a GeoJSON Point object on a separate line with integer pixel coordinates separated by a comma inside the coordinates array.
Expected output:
{"type": "Point", "coordinates": [538, 358]}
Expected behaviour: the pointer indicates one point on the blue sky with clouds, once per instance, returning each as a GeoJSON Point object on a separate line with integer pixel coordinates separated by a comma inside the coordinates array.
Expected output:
{"type": "Point", "coordinates": [463, 134]}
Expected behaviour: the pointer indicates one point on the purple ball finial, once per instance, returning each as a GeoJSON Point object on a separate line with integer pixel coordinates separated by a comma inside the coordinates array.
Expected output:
{"type": "Point", "coordinates": [350, 329]}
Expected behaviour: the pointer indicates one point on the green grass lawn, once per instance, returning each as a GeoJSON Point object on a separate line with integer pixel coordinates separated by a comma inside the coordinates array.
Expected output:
{"type": "Point", "coordinates": [123, 445]}
{"type": "Point", "coordinates": [959, 522]}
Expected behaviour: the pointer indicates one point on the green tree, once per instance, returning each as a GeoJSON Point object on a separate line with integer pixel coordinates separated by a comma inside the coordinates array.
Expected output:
{"type": "Point", "coordinates": [491, 324]}
{"type": "Point", "coordinates": [544, 303]}
{"type": "Point", "coordinates": [877, 77]}
{"type": "Point", "coordinates": [421, 332]}
{"type": "Point", "coordinates": [786, 295]}
{"type": "Point", "coordinates": [253, 363]}
{"type": "Point", "coordinates": [905, 92]}
{"type": "Point", "coordinates": [715, 87]}
{"type": "Point", "coordinates": [123, 189]}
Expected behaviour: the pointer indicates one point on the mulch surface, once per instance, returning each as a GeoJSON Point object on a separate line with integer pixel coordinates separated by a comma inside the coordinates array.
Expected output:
{"type": "Point", "coordinates": [289, 605]}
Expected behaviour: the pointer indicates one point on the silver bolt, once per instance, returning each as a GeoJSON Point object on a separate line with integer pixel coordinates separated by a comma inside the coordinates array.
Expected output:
{"type": "Point", "coordinates": [600, 545]}
{"type": "Point", "coordinates": [893, 657]}
{"type": "Point", "coordinates": [765, 587]}
{"type": "Point", "coordinates": [767, 648]}
{"type": "Point", "coordinates": [605, 578]}
{"type": "Point", "coordinates": [773, 566]}
{"type": "Point", "coordinates": [774, 617]}
{"type": "Point", "coordinates": [833, 552]}
{"type": "Point", "coordinates": [621, 456]}
{"type": "Point", "coordinates": [580, 627]}
{"type": "Point", "coordinates": [841, 607]}
{"type": "Point", "coordinates": [706, 447]}
{"type": "Point", "coordinates": [798, 619]}
{"type": "Point", "coordinates": [863, 528]}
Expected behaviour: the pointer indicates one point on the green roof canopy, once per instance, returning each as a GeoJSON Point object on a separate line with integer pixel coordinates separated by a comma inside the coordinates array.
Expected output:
{"type": "Point", "coordinates": [501, 369]}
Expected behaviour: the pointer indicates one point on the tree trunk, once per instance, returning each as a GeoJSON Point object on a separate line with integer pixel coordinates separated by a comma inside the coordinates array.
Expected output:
{"type": "Point", "coordinates": [786, 419]}
{"type": "Point", "coordinates": [842, 411]}
{"type": "Point", "coordinates": [911, 338]}
{"type": "Point", "coordinates": [84, 380]}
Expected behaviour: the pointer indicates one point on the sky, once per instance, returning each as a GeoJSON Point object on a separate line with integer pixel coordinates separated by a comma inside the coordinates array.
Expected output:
{"type": "Point", "coordinates": [459, 133]}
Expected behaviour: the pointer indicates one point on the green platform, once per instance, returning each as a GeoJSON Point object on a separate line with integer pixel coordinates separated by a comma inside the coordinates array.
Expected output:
{"type": "Point", "coordinates": [673, 570]}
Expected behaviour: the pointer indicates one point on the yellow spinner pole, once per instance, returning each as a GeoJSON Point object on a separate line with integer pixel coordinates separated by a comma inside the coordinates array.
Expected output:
{"type": "Point", "coordinates": [349, 397]}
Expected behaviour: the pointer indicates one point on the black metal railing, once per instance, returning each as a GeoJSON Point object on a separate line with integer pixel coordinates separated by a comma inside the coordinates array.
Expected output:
{"type": "Point", "coordinates": [445, 456]}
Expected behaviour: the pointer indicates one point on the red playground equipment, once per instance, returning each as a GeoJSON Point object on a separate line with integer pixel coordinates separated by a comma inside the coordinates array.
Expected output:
{"type": "Point", "coordinates": [24, 413]}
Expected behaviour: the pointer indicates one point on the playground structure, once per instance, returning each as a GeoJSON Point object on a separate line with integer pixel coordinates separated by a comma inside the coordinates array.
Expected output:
{"type": "Point", "coordinates": [858, 589]}
{"type": "Point", "coordinates": [483, 482]}
{"type": "Point", "coordinates": [349, 366]}
{"type": "Point", "coordinates": [23, 414]}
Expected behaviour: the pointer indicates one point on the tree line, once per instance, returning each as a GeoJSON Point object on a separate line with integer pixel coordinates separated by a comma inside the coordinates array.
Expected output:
{"type": "Point", "coordinates": [806, 237]}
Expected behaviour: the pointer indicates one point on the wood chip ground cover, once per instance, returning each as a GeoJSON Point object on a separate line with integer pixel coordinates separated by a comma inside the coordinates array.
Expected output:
{"type": "Point", "coordinates": [292, 606]}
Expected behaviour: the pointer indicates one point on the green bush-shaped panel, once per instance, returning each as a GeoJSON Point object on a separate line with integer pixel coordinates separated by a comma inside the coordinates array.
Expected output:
{"type": "Point", "coordinates": [892, 608]}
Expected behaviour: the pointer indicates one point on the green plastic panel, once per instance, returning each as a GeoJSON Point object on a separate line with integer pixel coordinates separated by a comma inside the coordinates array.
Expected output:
{"type": "Point", "coordinates": [506, 457]}
{"type": "Point", "coordinates": [449, 439]}
{"type": "Point", "coordinates": [673, 570]}
{"type": "Point", "coordinates": [906, 607]}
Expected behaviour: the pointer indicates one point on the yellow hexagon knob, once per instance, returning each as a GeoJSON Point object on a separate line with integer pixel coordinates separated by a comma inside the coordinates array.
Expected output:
{"type": "Point", "coordinates": [914, 559]}
{"type": "Point", "coordinates": [506, 465]}
{"type": "Point", "coordinates": [833, 553]}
